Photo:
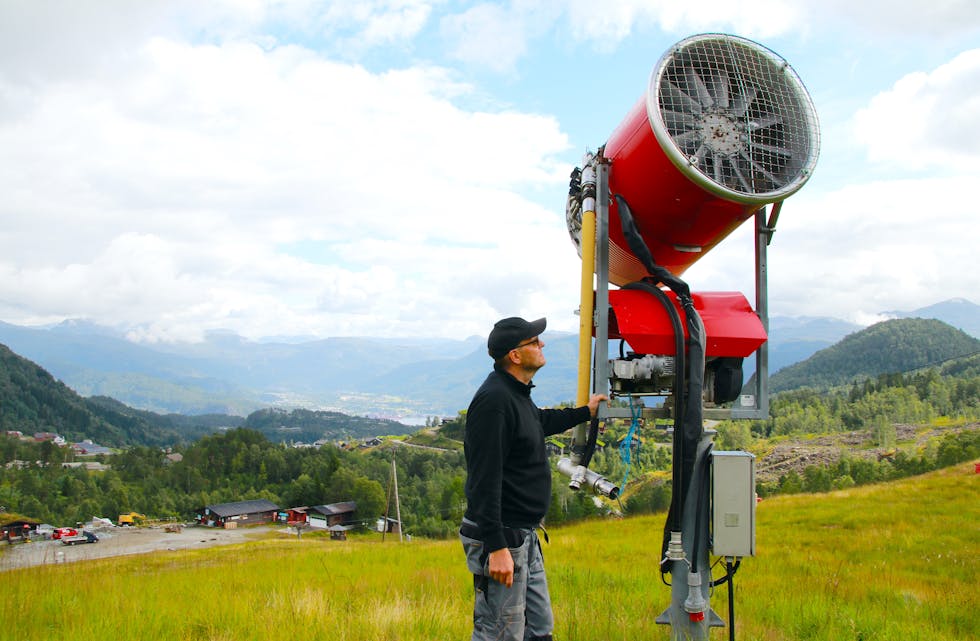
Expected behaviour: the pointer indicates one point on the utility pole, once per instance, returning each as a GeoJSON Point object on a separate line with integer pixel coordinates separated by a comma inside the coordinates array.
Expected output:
{"type": "Point", "coordinates": [398, 508]}
{"type": "Point", "coordinates": [392, 483]}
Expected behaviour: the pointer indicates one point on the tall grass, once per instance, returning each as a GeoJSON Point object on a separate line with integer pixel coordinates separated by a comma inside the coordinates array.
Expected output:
{"type": "Point", "coordinates": [896, 561]}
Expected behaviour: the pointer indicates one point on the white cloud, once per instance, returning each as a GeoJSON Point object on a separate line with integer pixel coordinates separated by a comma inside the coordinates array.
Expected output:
{"type": "Point", "coordinates": [866, 249]}
{"type": "Point", "coordinates": [173, 167]}
{"type": "Point", "coordinates": [608, 23]}
{"type": "Point", "coordinates": [173, 190]}
{"type": "Point", "coordinates": [499, 35]}
{"type": "Point", "coordinates": [486, 34]}
{"type": "Point", "coordinates": [856, 250]}
{"type": "Point", "coordinates": [908, 19]}
{"type": "Point", "coordinates": [927, 120]}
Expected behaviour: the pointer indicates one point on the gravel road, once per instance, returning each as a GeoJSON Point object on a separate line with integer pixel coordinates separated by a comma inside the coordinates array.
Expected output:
{"type": "Point", "coordinates": [120, 541]}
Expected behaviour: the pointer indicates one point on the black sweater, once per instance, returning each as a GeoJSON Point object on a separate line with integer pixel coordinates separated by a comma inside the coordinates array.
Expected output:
{"type": "Point", "coordinates": [508, 481]}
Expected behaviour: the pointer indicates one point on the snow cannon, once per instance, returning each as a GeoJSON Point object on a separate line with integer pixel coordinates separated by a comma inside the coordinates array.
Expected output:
{"type": "Point", "coordinates": [724, 128]}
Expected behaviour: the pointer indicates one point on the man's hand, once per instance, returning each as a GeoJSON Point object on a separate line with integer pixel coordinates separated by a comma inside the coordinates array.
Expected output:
{"type": "Point", "coordinates": [594, 401]}
{"type": "Point", "coordinates": [502, 567]}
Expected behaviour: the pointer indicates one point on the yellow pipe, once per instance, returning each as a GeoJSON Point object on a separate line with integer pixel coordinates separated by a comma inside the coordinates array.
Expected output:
{"type": "Point", "coordinates": [586, 308]}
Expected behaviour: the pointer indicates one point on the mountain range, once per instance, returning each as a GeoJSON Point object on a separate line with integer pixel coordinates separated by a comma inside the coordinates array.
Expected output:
{"type": "Point", "coordinates": [405, 379]}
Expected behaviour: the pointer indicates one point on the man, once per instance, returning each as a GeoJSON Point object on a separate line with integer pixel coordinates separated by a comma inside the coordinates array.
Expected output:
{"type": "Point", "coordinates": [508, 487]}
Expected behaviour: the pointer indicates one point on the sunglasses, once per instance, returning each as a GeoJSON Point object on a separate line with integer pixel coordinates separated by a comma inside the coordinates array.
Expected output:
{"type": "Point", "coordinates": [534, 341]}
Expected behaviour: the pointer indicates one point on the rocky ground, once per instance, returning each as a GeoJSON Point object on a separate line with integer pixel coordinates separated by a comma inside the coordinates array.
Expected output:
{"type": "Point", "coordinates": [117, 541]}
{"type": "Point", "coordinates": [826, 450]}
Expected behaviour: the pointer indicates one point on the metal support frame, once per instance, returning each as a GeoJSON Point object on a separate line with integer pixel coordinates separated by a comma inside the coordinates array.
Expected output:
{"type": "Point", "coordinates": [690, 615]}
{"type": "Point", "coordinates": [600, 364]}
{"type": "Point", "coordinates": [756, 407]}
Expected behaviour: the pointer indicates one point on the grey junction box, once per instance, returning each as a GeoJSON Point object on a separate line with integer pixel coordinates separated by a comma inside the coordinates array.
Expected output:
{"type": "Point", "coordinates": [733, 503]}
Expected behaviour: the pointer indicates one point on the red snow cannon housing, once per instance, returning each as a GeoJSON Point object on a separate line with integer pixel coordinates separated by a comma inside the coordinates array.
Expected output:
{"type": "Point", "coordinates": [725, 128]}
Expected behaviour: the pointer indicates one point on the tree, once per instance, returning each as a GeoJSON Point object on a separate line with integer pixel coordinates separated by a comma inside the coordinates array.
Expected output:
{"type": "Point", "coordinates": [883, 432]}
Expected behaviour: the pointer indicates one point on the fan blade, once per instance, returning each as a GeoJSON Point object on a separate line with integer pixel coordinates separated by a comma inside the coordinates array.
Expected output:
{"type": "Point", "coordinates": [762, 123]}
{"type": "Point", "coordinates": [779, 151]}
{"type": "Point", "coordinates": [765, 172]}
{"type": "Point", "coordinates": [672, 97]}
{"type": "Point", "coordinates": [720, 88]}
{"type": "Point", "coordinates": [694, 81]}
{"type": "Point", "coordinates": [742, 102]}
{"type": "Point", "coordinates": [741, 177]}
{"type": "Point", "coordinates": [678, 122]}
{"type": "Point", "coordinates": [687, 139]}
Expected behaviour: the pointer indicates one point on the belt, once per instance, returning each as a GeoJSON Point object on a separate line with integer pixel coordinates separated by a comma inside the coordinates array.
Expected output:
{"type": "Point", "coordinates": [513, 536]}
{"type": "Point", "coordinates": [470, 530]}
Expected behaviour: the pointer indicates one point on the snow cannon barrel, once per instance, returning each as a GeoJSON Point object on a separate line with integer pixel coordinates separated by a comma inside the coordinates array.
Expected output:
{"type": "Point", "coordinates": [725, 128]}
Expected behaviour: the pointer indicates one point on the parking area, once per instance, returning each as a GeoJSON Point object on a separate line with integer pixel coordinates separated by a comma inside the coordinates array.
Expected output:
{"type": "Point", "coordinates": [122, 541]}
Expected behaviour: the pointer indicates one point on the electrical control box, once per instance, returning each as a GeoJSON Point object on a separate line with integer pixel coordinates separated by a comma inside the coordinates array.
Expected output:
{"type": "Point", "coordinates": [733, 504]}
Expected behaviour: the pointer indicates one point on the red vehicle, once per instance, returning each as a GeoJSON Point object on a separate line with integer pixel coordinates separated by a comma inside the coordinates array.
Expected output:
{"type": "Point", "coordinates": [63, 531]}
{"type": "Point", "coordinates": [84, 537]}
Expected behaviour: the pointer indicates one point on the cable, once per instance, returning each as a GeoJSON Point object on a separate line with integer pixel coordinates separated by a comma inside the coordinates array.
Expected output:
{"type": "Point", "coordinates": [731, 601]}
{"type": "Point", "coordinates": [626, 446]}
{"type": "Point", "coordinates": [729, 575]}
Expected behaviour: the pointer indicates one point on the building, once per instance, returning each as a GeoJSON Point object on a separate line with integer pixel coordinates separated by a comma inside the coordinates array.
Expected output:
{"type": "Point", "coordinates": [229, 515]}
{"type": "Point", "coordinates": [15, 528]}
{"type": "Point", "coordinates": [88, 448]}
{"type": "Point", "coordinates": [295, 515]}
{"type": "Point", "coordinates": [389, 525]}
{"type": "Point", "coordinates": [57, 439]}
{"type": "Point", "coordinates": [325, 516]}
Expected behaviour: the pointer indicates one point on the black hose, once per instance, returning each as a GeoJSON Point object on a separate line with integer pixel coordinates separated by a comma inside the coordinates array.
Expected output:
{"type": "Point", "coordinates": [688, 424]}
{"type": "Point", "coordinates": [590, 442]}
{"type": "Point", "coordinates": [729, 578]}
{"type": "Point", "coordinates": [677, 480]}
{"type": "Point", "coordinates": [701, 507]}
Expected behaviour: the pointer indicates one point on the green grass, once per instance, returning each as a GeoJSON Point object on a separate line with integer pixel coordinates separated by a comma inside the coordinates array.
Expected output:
{"type": "Point", "coordinates": [896, 561]}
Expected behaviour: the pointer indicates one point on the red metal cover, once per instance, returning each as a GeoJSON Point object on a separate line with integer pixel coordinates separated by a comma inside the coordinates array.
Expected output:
{"type": "Point", "coordinates": [731, 327]}
{"type": "Point", "coordinates": [679, 221]}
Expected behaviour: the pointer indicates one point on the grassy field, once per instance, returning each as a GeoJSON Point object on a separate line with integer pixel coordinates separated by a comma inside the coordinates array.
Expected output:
{"type": "Point", "coordinates": [897, 561]}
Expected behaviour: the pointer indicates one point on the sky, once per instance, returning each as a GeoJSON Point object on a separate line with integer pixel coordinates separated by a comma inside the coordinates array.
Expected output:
{"type": "Point", "coordinates": [399, 168]}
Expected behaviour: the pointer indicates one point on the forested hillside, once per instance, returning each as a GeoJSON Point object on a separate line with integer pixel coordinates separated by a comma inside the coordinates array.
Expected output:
{"type": "Point", "coordinates": [900, 345]}
{"type": "Point", "coordinates": [309, 426]}
{"type": "Point", "coordinates": [245, 463]}
{"type": "Point", "coordinates": [32, 401]}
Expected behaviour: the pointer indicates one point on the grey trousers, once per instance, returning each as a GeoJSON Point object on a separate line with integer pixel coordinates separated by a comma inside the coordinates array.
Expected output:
{"type": "Point", "coordinates": [521, 612]}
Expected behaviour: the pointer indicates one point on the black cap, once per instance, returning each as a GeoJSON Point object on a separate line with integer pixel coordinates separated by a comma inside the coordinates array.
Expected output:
{"type": "Point", "coordinates": [510, 332]}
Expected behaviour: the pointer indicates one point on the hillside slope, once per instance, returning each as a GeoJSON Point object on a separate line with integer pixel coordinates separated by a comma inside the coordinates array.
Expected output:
{"type": "Point", "coordinates": [32, 401]}
{"type": "Point", "coordinates": [899, 345]}
{"type": "Point", "coordinates": [865, 563]}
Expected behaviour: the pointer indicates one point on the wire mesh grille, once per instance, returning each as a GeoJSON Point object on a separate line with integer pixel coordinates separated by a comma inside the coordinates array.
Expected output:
{"type": "Point", "coordinates": [738, 115]}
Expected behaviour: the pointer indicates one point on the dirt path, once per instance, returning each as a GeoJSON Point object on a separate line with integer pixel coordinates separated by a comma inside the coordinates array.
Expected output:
{"type": "Point", "coordinates": [121, 541]}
